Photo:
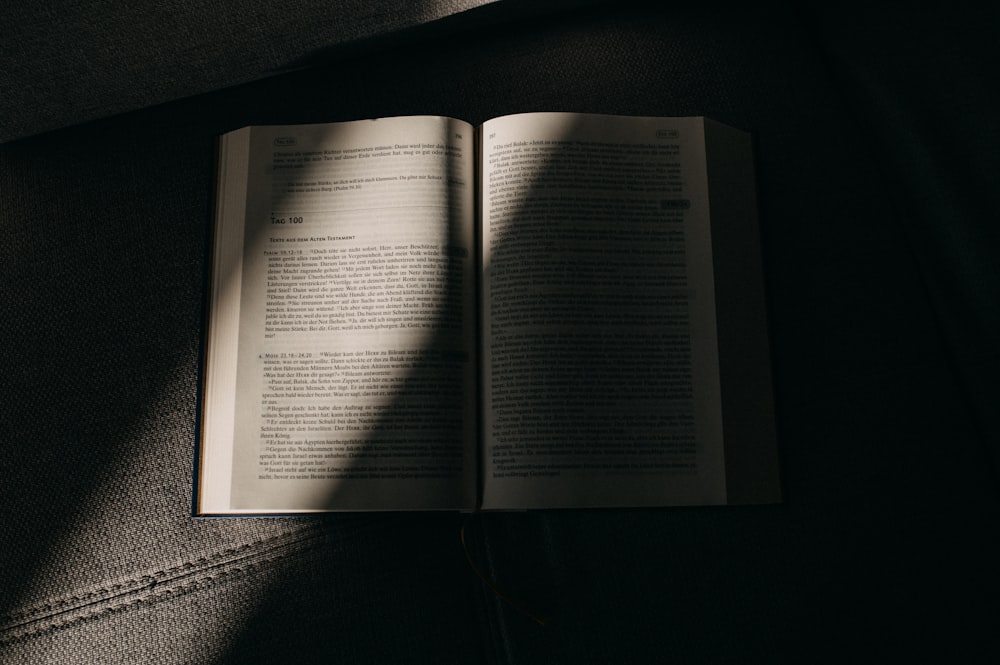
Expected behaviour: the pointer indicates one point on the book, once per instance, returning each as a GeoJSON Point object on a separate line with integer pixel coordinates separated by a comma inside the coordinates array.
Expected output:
{"type": "Point", "coordinates": [550, 310]}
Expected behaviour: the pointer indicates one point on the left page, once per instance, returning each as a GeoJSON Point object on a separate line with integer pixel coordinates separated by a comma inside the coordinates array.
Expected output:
{"type": "Point", "coordinates": [340, 366]}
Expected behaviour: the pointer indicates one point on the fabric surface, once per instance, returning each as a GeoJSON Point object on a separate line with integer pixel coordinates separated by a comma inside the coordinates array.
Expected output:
{"type": "Point", "coordinates": [882, 307]}
{"type": "Point", "coordinates": [71, 60]}
{"type": "Point", "coordinates": [929, 100]}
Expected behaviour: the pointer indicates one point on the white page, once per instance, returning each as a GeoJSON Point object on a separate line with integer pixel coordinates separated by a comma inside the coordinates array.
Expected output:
{"type": "Point", "coordinates": [600, 360]}
{"type": "Point", "coordinates": [354, 362]}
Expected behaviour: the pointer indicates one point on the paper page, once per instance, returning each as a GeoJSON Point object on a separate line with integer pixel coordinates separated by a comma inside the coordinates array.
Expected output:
{"type": "Point", "coordinates": [600, 363]}
{"type": "Point", "coordinates": [354, 370]}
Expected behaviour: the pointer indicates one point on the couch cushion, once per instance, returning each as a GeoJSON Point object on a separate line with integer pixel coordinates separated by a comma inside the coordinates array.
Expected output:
{"type": "Point", "coordinates": [70, 61]}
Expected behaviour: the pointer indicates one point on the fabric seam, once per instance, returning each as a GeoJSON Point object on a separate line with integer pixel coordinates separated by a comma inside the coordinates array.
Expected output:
{"type": "Point", "coordinates": [152, 587]}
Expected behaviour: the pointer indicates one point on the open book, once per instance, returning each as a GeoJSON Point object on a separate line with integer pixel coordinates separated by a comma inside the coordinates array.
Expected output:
{"type": "Point", "coordinates": [551, 310]}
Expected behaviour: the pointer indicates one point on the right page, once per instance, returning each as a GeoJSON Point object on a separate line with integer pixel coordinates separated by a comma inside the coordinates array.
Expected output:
{"type": "Point", "coordinates": [601, 357]}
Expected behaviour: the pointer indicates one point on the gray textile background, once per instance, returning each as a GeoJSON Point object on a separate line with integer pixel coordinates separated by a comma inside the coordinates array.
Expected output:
{"type": "Point", "coordinates": [69, 61]}
{"type": "Point", "coordinates": [877, 154]}
{"type": "Point", "coordinates": [89, 59]}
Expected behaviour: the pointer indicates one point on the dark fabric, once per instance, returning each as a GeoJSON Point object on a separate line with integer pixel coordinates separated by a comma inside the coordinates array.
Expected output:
{"type": "Point", "coordinates": [881, 302]}
{"type": "Point", "coordinates": [69, 61]}
{"type": "Point", "coordinates": [928, 100]}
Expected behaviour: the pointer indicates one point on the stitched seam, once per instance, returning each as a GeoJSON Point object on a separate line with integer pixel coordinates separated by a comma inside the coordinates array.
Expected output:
{"type": "Point", "coordinates": [150, 580]}
{"type": "Point", "coordinates": [153, 597]}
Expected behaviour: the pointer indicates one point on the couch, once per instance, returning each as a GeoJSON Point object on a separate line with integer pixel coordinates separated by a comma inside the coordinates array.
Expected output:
{"type": "Point", "coordinates": [876, 141]}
